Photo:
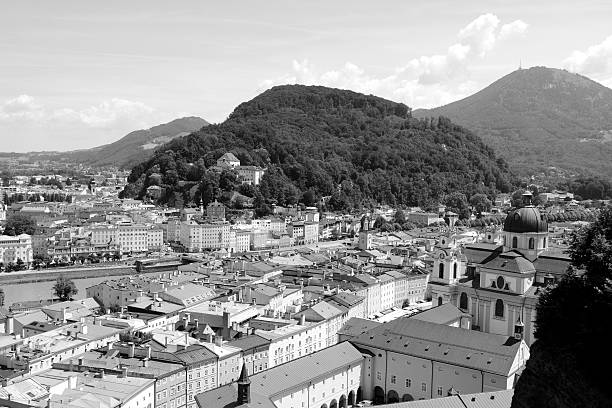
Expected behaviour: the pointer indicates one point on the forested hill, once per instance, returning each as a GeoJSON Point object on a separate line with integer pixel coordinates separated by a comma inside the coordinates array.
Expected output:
{"type": "Point", "coordinates": [540, 117]}
{"type": "Point", "coordinates": [318, 142]}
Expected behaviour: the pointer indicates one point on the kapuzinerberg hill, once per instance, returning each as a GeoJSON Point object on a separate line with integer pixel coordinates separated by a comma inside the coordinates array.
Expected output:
{"type": "Point", "coordinates": [540, 117]}
{"type": "Point", "coordinates": [318, 142]}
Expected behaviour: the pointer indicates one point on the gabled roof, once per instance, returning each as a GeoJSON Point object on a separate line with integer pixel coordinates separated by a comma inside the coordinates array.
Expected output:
{"type": "Point", "coordinates": [443, 314]}
{"type": "Point", "coordinates": [469, 348]}
{"type": "Point", "coordinates": [267, 384]}
{"type": "Point", "coordinates": [512, 262]}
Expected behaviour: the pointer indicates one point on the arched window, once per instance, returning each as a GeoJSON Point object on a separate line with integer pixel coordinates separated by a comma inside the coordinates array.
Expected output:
{"type": "Point", "coordinates": [531, 243]}
{"type": "Point", "coordinates": [463, 301]}
{"type": "Point", "coordinates": [514, 242]}
{"type": "Point", "coordinates": [441, 271]}
{"type": "Point", "coordinates": [440, 301]}
{"type": "Point", "coordinates": [499, 308]}
{"type": "Point", "coordinates": [544, 242]}
{"type": "Point", "coordinates": [455, 270]}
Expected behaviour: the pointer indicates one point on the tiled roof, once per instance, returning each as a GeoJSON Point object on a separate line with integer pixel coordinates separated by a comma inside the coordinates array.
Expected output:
{"type": "Point", "coordinates": [249, 342]}
{"type": "Point", "coordinates": [266, 384]}
{"type": "Point", "coordinates": [356, 326]}
{"type": "Point", "coordinates": [494, 399]}
{"type": "Point", "coordinates": [556, 265]}
{"type": "Point", "coordinates": [482, 351]}
{"type": "Point", "coordinates": [510, 261]}
{"type": "Point", "coordinates": [443, 314]}
{"type": "Point", "coordinates": [481, 252]}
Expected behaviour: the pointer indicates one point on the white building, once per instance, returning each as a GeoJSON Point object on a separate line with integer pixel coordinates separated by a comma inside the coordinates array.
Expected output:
{"type": "Point", "coordinates": [13, 248]}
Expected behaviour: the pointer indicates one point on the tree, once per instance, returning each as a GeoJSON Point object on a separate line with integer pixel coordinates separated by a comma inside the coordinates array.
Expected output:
{"type": "Point", "coordinates": [64, 288]}
{"type": "Point", "coordinates": [18, 224]}
{"type": "Point", "coordinates": [573, 326]}
{"type": "Point", "coordinates": [457, 203]}
{"type": "Point", "coordinates": [399, 216]}
{"type": "Point", "coordinates": [481, 203]}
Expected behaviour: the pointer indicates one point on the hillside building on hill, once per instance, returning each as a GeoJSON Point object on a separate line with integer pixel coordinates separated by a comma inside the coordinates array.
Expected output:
{"type": "Point", "coordinates": [228, 161]}
{"type": "Point", "coordinates": [499, 284]}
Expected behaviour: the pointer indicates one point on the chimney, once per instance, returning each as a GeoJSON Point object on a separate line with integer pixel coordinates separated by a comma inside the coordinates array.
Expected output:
{"type": "Point", "coordinates": [208, 338]}
{"type": "Point", "coordinates": [131, 350]}
{"type": "Point", "coordinates": [124, 372]}
{"type": "Point", "coordinates": [226, 326]}
{"type": "Point", "coordinates": [102, 373]}
{"type": "Point", "coordinates": [80, 360]}
{"type": "Point", "coordinates": [70, 366]}
{"type": "Point", "coordinates": [188, 316]}
{"type": "Point", "coordinates": [186, 339]}
{"type": "Point", "coordinates": [218, 340]}
{"type": "Point", "coordinates": [235, 326]}
{"type": "Point", "coordinates": [197, 325]}
{"type": "Point", "coordinates": [302, 320]}
{"type": "Point", "coordinates": [148, 348]}
{"type": "Point", "coordinates": [84, 329]}
{"type": "Point", "coordinates": [145, 362]}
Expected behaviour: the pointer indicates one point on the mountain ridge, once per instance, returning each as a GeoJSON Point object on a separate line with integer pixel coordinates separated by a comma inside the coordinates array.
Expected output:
{"type": "Point", "coordinates": [540, 117]}
{"type": "Point", "coordinates": [134, 147]}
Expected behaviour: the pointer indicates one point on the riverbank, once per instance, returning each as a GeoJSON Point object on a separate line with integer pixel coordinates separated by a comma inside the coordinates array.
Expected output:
{"type": "Point", "coordinates": [24, 277]}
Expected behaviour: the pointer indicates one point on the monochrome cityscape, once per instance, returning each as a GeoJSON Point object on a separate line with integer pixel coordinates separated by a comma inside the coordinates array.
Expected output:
{"type": "Point", "coordinates": [415, 214]}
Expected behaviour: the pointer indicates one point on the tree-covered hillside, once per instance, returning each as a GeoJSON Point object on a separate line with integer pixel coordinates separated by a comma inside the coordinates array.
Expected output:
{"type": "Point", "coordinates": [319, 142]}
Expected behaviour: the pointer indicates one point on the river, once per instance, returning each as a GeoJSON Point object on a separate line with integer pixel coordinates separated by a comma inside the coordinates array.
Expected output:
{"type": "Point", "coordinates": [44, 290]}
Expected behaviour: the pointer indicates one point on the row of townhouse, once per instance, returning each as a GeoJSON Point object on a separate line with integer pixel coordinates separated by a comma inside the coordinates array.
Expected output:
{"type": "Point", "coordinates": [128, 237]}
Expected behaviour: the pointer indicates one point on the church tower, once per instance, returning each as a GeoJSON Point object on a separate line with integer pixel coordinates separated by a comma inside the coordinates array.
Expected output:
{"type": "Point", "coordinates": [244, 387]}
{"type": "Point", "coordinates": [365, 234]}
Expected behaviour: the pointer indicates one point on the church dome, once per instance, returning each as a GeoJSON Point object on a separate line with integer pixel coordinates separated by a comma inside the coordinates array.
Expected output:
{"type": "Point", "coordinates": [526, 219]}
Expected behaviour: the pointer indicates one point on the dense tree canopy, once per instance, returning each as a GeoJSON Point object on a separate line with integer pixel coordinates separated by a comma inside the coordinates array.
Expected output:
{"type": "Point", "coordinates": [316, 142]}
{"type": "Point", "coordinates": [18, 224]}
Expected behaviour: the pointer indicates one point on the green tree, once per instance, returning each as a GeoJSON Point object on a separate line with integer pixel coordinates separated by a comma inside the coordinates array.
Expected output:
{"type": "Point", "coordinates": [573, 328]}
{"type": "Point", "coordinates": [457, 203]}
{"type": "Point", "coordinates": [64, 288]}
{"type": "Point", "coordinates": [481, 203]}
{"type": "Point", "coordinates": [17, 224]}
{"type": "Point", "coordinates": [399, 217]}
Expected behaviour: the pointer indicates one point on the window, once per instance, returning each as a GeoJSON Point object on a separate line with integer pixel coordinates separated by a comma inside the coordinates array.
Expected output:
{"type": "Point", "coordinates": [378, 376]}
{"type": "Point", "coordinates": [544, 242]}
{"type": "Point", "coordinates": [440, 391]}
{"type": "Point", "coordinates": [441, 271]}
{"type": "Point", "coordinates": [500, 282]}
{"type": "Point", "coordinates": [408, 383]}
{"type": "Point", "coordinates": [531, 243]}
{"type": "Point", "coordinates": [514, 242]}
{"type": "Point", "coordinates": [463, 301]}
{"type": "Point", "coordinates": [440, 300]}
{"type": "Point", "coordinates": [393, 379]}
{"type": "Point", "coordinates": [499, 308]}
{"type": "Point", "coordinates": [455, 270]}
{"type": "Point", "coordinates": [423, 387]}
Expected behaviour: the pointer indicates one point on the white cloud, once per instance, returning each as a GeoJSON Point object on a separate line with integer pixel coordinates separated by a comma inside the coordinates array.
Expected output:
{"type": "Point", "coordinates": [425, 81]}
{"type": "Point", "coordinates": [596, 60]}
{"type": "Point", "coordinates": [107, 114]}
{"type": "Point", "coordinates": [42, 127]}
{"type": "Point", "coordinates": [517, 27]}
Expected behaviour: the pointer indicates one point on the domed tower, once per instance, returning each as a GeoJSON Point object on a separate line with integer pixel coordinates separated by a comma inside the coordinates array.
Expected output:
{"type": "Point", "coordinates": [526, 230]}
{"type": "Point", "coordinates": [365, 234]}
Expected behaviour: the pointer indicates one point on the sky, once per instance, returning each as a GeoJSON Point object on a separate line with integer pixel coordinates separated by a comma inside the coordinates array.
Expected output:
{"type": "Point", "coordinates": [78, 74]}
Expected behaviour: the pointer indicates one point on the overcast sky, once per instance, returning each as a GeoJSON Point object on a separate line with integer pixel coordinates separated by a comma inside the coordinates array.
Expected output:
{"type": "Point", "coordinates": [77, 74]}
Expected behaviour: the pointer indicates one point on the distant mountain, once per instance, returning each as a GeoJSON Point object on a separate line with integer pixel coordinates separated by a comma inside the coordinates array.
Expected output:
{"type": "Point", "coordinates": [136, 146]}
{"type": "Point", "coordinates": [540, 117]}
{"type": "Point", "coordinates": [348, 148]}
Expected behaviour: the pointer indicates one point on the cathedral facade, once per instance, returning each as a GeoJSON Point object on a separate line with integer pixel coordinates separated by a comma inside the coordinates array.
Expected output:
{"type": "Point", "coordinates": [499, 280]}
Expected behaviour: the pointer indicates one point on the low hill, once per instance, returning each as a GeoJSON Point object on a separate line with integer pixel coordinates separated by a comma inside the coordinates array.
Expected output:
{"type": "Point", "coordinates": [137, 146]}
{"type": "Point", "coordinates": [541, 117]}
{"type": "Point", "coordinates": [316, 142]}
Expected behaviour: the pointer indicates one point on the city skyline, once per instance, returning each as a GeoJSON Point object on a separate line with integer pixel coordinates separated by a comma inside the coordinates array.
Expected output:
{"type": "Point", "coordinates": [78, 76]}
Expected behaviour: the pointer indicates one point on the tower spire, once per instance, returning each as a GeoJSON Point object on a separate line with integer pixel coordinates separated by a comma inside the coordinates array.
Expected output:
{"type": "Point", "coordinates": [244, 386]}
